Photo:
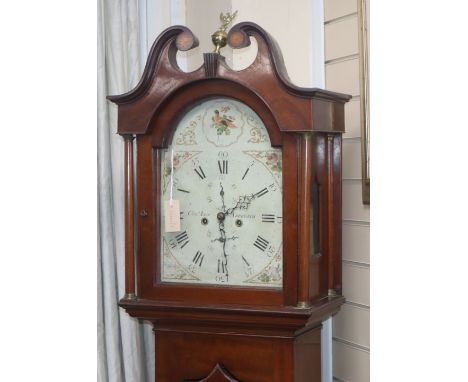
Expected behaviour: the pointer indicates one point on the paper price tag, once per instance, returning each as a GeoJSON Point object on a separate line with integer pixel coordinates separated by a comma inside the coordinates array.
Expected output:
{"type": "Point", "coordinates": [171, 216]}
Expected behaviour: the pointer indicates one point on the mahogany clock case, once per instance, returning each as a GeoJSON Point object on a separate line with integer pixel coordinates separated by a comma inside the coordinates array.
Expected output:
{"type": "Point", "coordinates": [205, 324]}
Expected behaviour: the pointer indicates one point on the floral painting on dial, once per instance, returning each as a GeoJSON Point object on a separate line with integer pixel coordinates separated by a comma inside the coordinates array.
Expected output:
{"type": "Point", "coordinates": [271, 159]}
{"type": "Point", "coordinates": [223, 122]}
{"type": "Point", "coordinates": [271, 274]}
{"type": "Point", "coordinates": [274, 161]}
{"type": "Point", "coordinates": [178, 159]}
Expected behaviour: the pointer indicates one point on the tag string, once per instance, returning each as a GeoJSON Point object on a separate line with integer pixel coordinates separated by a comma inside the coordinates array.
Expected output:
{"type": "Point", "coordinates": [172, 177]}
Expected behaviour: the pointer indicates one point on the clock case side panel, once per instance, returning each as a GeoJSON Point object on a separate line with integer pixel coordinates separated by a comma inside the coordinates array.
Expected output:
{"type": "Point", "coordinates": [335, 283]}
{"type": "Point", "coordinates": [319, 206]}
{"type": "Point", "coordinates": [159, 136]}
{"type": "Point", "coordinates": [318, 269]}
{"type": "Point", "coordinates": [325, 261]}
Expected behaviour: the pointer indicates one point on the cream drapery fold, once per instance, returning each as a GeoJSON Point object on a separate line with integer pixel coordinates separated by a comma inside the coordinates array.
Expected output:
{"type": "Point", "coordinates": [125, 346]}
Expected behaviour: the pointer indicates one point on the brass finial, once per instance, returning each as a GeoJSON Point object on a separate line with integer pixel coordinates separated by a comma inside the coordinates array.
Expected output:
{"type": "Point", "coordinates": [219, 38]}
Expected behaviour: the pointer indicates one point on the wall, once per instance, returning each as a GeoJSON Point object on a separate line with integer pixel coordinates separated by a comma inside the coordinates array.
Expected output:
{"type": "Point", "coordinates": [351, 326]}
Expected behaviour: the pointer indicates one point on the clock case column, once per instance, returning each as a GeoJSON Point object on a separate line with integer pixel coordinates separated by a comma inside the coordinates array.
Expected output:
{"type": "Point", "coordinates": [220, 333]}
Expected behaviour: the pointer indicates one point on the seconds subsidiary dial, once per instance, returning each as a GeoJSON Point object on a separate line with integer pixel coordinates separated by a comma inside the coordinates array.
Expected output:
{"type": "Point", "coordinates": [228, 179]}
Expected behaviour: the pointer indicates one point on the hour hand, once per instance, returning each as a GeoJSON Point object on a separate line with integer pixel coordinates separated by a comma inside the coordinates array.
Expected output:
{"type": "Point", "coordinates": [221, 193]}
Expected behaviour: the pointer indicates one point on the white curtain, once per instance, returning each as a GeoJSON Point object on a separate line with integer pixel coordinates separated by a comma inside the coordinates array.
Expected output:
{"type": "Point", "coordinates": [125, 346]}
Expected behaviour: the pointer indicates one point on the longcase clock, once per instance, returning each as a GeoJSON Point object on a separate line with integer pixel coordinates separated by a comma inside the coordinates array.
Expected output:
{"type": "Point", "coordinates": [239, 289]}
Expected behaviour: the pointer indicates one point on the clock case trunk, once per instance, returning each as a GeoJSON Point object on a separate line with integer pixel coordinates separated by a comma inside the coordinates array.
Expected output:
{"type": "Point", "coordinates": [236, 333]}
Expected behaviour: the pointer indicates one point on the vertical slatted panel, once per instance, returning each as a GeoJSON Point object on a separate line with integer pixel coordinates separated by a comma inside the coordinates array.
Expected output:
{"type": "Point", "coordinates": [340, 39]}
{"type": "Point", "coordinates": [343, 76]}
{"type": "Point", "coordinates": [356, 283]}
{"type": "Point", "coordinates": [352, 159]}
{"type": "Point", "coordinates": [352, 119]}
{"type": "Point", "coordinates": [337, 8]}
{"type": "Point", "coordinates": [351, 325]}
{"type": "Point", "coordinates": [353, 209]}
{"type": "Point", "coordinates": [350, 364]}
{"type": "Point", "coordinates": [356, 242]}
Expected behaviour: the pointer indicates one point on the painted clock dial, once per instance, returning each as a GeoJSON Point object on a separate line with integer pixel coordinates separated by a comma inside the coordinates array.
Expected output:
{"type": "Point", "coordinates": [228, 180]}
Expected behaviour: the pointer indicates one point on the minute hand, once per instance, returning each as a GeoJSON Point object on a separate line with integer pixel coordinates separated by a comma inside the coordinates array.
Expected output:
{"type": "Point", "coordinates": [242, 204]}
